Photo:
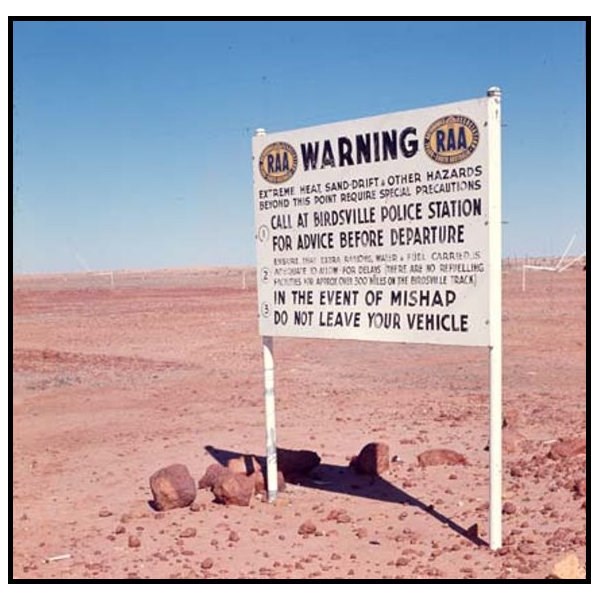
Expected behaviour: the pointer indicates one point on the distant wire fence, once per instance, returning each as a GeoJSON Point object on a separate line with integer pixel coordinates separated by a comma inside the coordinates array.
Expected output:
{"type": "Point", "coordinates": [242, 278]}
{"type": "Point", "coordinates": [516, 264]}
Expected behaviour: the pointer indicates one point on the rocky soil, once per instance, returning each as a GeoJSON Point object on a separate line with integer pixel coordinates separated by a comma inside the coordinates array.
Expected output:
{"type": "Point", "coordinates": [113, 381]}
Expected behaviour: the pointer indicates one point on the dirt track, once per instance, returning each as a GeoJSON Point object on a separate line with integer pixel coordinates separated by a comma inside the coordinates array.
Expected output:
{"type": "Point", "coordinates": [113, 383]}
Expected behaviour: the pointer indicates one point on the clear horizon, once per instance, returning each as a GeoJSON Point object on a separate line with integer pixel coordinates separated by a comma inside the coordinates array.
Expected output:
{"type": "Point", "coordinates": [132, 140]}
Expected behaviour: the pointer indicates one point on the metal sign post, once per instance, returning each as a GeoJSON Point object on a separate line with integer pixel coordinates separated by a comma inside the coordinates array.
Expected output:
{"type": "Point", "coordinates": [269, 377]}
{"type": "Point", "coordinates": [495, 312]}
{"type": "Point", "coordinates": [269, 367]}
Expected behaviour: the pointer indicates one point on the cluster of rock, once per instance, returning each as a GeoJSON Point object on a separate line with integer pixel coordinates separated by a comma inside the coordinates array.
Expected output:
{"type": "Point", "coordinates": [562, 464]}
{"type": "Point", "coordinates": [234, 484]}
{"type": "Point", "coordinates": [374, 459]}
{"type": "Point", "coordinates": [244, 476]}
{"type": "Point", "coordinates": [241, 478]}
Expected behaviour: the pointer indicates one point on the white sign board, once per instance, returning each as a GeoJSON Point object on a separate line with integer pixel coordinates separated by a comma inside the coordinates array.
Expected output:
{"type": "Point", "coordinates": [376, 228]}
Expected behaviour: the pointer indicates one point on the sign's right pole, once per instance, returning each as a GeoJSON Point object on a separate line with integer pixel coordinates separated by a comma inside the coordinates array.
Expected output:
{"type": "Point", "coordinates": [495, 316]}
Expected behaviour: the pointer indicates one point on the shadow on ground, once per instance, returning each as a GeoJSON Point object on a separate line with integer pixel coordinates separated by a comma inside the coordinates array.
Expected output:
{"type": "Point", "coordinates": [344, 480]}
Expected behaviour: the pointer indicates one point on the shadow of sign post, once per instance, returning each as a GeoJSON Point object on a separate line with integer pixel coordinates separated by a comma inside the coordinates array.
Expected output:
{"type": "Point", "coordinates": [342, 479]}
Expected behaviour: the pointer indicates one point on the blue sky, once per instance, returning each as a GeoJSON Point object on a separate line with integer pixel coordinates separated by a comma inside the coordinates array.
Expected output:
{"type": "Point", "coordinates": [132, 140]}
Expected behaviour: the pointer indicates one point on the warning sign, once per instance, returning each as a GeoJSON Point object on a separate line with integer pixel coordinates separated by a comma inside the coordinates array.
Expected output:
{"type": "Point", "coordinates": [376, 228]}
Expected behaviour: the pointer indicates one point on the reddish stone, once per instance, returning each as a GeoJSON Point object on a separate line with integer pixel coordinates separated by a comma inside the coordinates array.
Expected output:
{"type": "Point", "coordinates": [234, 488]}
{"type": "Point", "coordinates": [580, 488]}
{"type": "Point", "coordinates": [526, 548]}
{"type": "Point", "coordinates": [373, 459]}
{"type": "Point", "coordinates": [172, 487]}
{"type": "Point", "coordinates": [188, 532]}
{"type": "Point", "coordinates": [339, 516]}
{"type": "Point", "coordinates": [291, 464]}
{"type": "Point", "coordinates": [431, 458]}
{"type": "Point", "coordinates": [211, 475]}
{"type": "Point", "coordinates": [567, 448]}
{"type": "Point", "coordinates": [307, 528]}
{"type": "Point", "coordinates": [233, 536]}
{"type": "Point", "coordinates": [260, 482]}
{"type": "Point", "coordinates": [508, 508]}
{"type": "Point", "coordinates": [510, 417]}
{"type": "Point", "coordinates": [516, 471]}
{"type": "Point", "coordinates": [512, 441]}
{"type": "Point", "coordinates": [244, 464]}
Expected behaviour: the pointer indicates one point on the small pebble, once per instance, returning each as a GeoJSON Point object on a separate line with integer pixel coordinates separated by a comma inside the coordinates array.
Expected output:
{"type": "Point", "coordinates": [188, 532]}
{"type": "Point", "coordinates": [307, 528]}
{"type": "Point", "coordinates": [508, 508]}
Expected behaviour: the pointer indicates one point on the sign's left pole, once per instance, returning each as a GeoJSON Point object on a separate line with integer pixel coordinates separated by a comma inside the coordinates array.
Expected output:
{"type": "Point", "coordinates": [269, 365]}
{"type": "Point", "coordinates": [269, 375]}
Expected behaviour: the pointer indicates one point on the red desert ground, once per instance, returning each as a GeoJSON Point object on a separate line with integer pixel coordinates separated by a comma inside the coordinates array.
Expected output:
{"type": "Point", "coordinates": [117, 377]}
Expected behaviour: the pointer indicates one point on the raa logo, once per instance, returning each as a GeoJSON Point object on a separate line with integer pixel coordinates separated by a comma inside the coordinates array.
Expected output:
{"type": "Point", "coordinates": [278, 162]}
{"type": "Point", "coordinates": [451, 139]}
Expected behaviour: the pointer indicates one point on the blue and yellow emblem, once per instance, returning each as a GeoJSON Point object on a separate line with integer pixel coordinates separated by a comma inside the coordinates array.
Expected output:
{"type": "Point", "coordinates": [278, 162]}
{"type": "Point", "coordinates": [451, 139]}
